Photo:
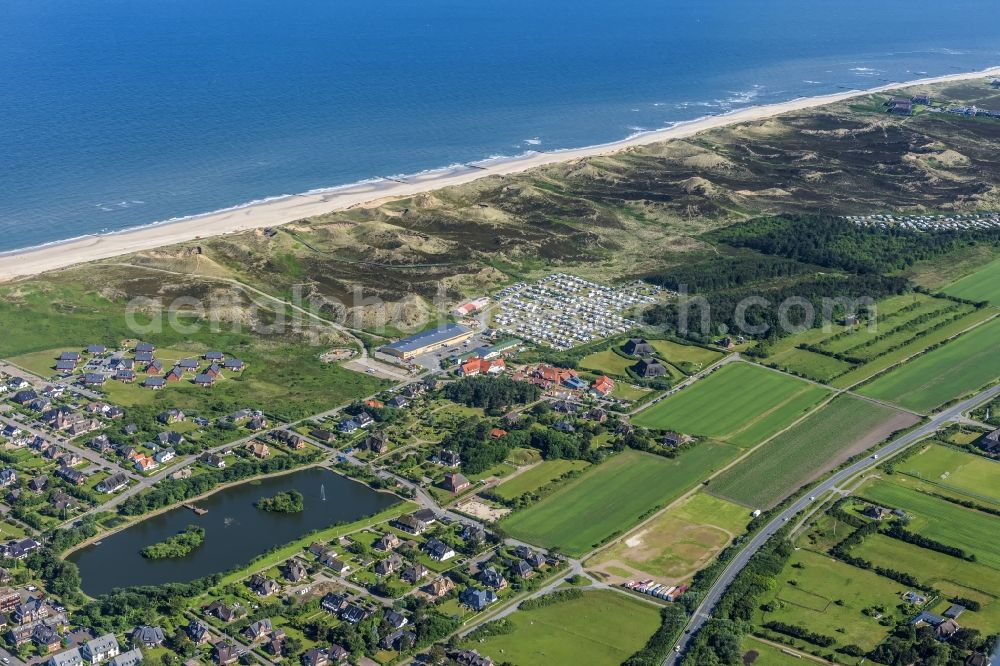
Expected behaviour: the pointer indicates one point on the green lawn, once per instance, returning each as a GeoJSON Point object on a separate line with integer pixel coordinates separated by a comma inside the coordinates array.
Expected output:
{"type": "Point", "coordinates": [983, 285]}
{"type": "Point", "coordinates": [623, 391]}
{"type": "Point", "coordinates": [680, 541]}
{"type": "Point", "coordinates": [813, 446]}
{"type": "Point", "coordinates": [678, 353]}
{"type": "Point", "coordinates": [941, 520]}
{"type": "Point", "coordinates": [955, 470]}
{"type": "Point", "coordinates": [740, 403]}
{"type": "Point", "coordinates": [756, 653]}
{"type": "Point", "coordinates": [951, 371]}
{"type": "Point", "coordinates": [815, 366]}
{"type": "Point", "coordinates": [954, 577]}
{"type": "Point", "coordinates": [806, 595]}
{"type": "Point", "coordinates": [601, 628]}
{"type": "Point", "coordinates": [537, 476]}
{"type": "Point", "coordinates": [609, 498]}
{"type": "Point", "coordinates": [607, 362]}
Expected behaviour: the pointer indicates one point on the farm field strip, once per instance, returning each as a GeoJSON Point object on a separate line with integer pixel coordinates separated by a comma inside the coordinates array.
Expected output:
{"type": "Point", "coordinates": [951, 371]}
{"type": "Point", "coordinates": [536, 477]}
{"type": "Point", "coordinates": [955, 470]}
{"type": "Point", "coordinates": [983, 285]}
{"type": "Point", "coordinates": [742, 402]}
{"type": "Point", "coordinates": [818, 443]}
{"type": "Point", "coordinates": [611, 497]}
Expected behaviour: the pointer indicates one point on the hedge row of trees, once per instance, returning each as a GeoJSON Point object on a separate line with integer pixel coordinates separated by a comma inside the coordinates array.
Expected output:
{"type": "Point", "coordinates": [493, 394]}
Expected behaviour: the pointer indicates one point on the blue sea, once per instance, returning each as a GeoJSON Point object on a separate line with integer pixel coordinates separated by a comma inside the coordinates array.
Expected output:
{"type": "Point", "coordinates": [120, 113]}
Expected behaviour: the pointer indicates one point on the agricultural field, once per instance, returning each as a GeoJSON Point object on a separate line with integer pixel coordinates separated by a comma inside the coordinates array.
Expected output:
{"type": "Point", "coordinates": [611, 497]}
{"type": "Point", "coordinates": [536, 477]}
{"type": "Point", "coordinates": [601, 628]}
{"type": "Point", "coordinates": [678, 543]}
{"type": "Point", "coordinates": [955, 470]}
{"type": "Point", "coordinates": [740, 403]}
{"type": "Point", "coordinates": [825, 595]}
{"type": "Point", "coordinates": [844, 427]}
{"type": "Point", "coordinates": [983, 285]}
{"type": "Point", "coordinates": [948, 372]}
{"type": "Point", "coordinates": [906, 325]}
{"type": "Point", "coordinates": [941, 520]}
{"type": "Point", "coordinates": [954, 577]}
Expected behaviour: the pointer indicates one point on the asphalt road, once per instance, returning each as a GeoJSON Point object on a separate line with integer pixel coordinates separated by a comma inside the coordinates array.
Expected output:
{"type": "Point", "coordinates": [703, 613]}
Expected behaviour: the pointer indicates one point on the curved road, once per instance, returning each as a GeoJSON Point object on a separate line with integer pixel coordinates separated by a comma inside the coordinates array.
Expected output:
{"type": "Point", "coordinates": [703, 612]}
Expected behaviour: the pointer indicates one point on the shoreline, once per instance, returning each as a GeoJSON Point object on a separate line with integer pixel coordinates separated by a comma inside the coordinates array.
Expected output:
{"type": "Point", "coordinates": [280, 210]}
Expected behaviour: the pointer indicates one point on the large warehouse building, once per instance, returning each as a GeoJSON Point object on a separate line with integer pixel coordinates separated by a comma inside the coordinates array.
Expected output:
{"type": "Point", "coordinates": [428, 341]}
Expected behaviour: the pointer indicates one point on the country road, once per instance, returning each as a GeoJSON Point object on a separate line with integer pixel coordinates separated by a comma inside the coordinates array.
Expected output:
{"type": "Point", "coordinates": [712, 597]}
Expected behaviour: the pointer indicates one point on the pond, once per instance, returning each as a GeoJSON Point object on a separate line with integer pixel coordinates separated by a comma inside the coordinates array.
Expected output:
{"type": "Point", "coordinates": [235, 530]}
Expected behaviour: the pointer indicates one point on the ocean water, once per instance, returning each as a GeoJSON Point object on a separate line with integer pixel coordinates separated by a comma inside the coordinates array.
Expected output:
{"type": "Point", "coordinates": [120, 113]}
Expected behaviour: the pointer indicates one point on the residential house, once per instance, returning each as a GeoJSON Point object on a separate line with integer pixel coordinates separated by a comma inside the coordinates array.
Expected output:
{"type": "Point", "coordinates": [65, 367]}
{"type": "Point", "coordinates": [9, 599]}
{"type": "Point", "coordinates": [414, 573]}
{"type": "Point", "coordinates": [954, 611]}
{"type": "Point", "coordinates": [477, 599]}
{"type": "Point", "coordinates": [204, 379]}
{"type": "Point", "coordinates": [439, 550]}
{"type": "Point", "coordinates": [347, 426]}
{"type": "Point", "coordinates": [321, 435]}
{"type": "Point", "coordinates": [145, 347]}
{"type": "Point", "coordinates": [455, 482]}
{"type": "Point", "coordinates": [339, 566]}
{"type": "Point", "coordinates": [354, 613]}
{"type": "Point", "coordinates": [131, 658]}
{"type": "Point", "coordinates": [333, 603]}
{"type": "Point", "coordinates": [990, 442]}
{"type": "Point", "coordinates": [649, 367]}
{"type": "Point", "coordinates": [8, 477]}
{"type": "Point", "coordinates": [377, 443]}
{"type": "Point", "coordinates": [673, 439]}
{"type": "Point", "coordinates": [45, 635]}
{"type": "Point", "coordinates": [498, 433]}
{"type": "Point", "coordinates": [20, 549]}
{"type": "Point", "coordinates": [876, 512]}
{"type": "Point", "coordinates": [389, 565]}
{"type": "Point", "coordinates": [469, 658]}
{"type": "Point", "coordinates": [154, 367]}
{"type": "Point", "coordinates": [490, 577]}
{"type": "Point", "coordinates": [100, 649]}
{"type": "Point", "coordinates": [395, 620]}
{"type": "Point", "coordinates": [234, 364]}
{"type": "Point", "coordinates": [147, 635]}
{"type": "Point", "coordinates": [388, 542]}
{"type": "Point", "coordinates": [214, 356]}
{"type": "Point", "coordinates": [450, 458]}
{"type": "Point", "coordinates": [337, 654]}
{"type": "Point", "coordinates": [410, 524]}
{"type": "Point", "coordinates": [164, 455]}
{"type": "Point", "coordinates": [96, 349]}
{"type": "Point", "coordinates": [363, 419]}
{"type": "Point", "coordinates": [175, 375]}
{"type": "Point", "coordinates": [144, 463]}
{"type": "Point", "coordinates": [522, 569]}
{"type": "Point", "coordinates": [259, 630]}
{"type": "Point", "coordinates": [258, 449]}
{"type": "Point", "coordinates": [398, 402]}
{"type": "Point", "coordinates": [288, 438]}
{"type": "Point", "coordinates": [212, 460]}
{"type": "Point", "coordinates": [69, 657]}
{"type": "Point", "coordinates": [72, 476]}
{"type": "Point", "coordinates": [315, 657]}
{"type": "Point", "coordinates": [603, 386]}
{"type": "Point", "coordinates": [228, 652]}
{"type": "Point", "coordinates": [439, 587]}
{"type": "Point", "coordinates": [198, 632]}
{"type": "Point", "coordinates": [295, 571]}
{"type": "Point", "coordinates": [155, 383]}
{"type": "Point", "coordinates": [225, 612]}
{"type": "Point", "coordinates": [638, 347]}
{"type": "Point", "coordinates": [398, 640]}
{"type": "Point", "coordinates": [473, 533]}
{"type": "Point", "coordinates": [263, 585]}
{"type": "Point", "coordinates": [427, 516]}
{"type": "Point", "coordinates": [171, 416]}
{"type": "Point", "coordinates": [101, 444]}
{"type": "Point", "coordinates": [31, 610]}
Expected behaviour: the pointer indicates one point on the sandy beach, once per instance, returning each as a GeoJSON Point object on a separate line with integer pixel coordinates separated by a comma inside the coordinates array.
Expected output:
{"type": "Point", "coordinates": [288, 209]}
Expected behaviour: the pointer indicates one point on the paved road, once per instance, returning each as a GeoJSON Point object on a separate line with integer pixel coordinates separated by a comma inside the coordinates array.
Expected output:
{"type": "Point", "coordinates": [702, 614]}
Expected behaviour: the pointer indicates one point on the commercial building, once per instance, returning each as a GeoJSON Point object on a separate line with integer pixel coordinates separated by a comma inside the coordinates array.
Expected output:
{"type": "Point", "coordinates": [428, 341]}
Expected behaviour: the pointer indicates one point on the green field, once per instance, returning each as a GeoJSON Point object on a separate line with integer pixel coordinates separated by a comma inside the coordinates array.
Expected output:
{"type": "Point", "coordinates": [537, 476]}
{"type": "Point", "coordinates": [740, 403]}
{"type": "Point", "coordinates": [954, 577]}
{"type": "Point", "coordinates": [609, 498]}
{"type": "Point", "coordinates": [983, 285]}
{"type": "Point", "coordinates": [951, 371]}
{"type": "Point", "coordinates": [814, 366]}
{"type": "Point", "coordinates": [607, 362]}
{"type": "Point", "coordinates": [811, 447]}
{"type": "Point", "coordinates": [678, 353]}
{"type": "Point", "coordinates": [680, 541]}
{"type": "Point", "coordinates": [941, 520]}
{"type": "Point", "coordinates": [807, 596]}
{"type": "Point", "coordinates": [601, 628]}
{"type": "Point", "coordinates": [955, 470]}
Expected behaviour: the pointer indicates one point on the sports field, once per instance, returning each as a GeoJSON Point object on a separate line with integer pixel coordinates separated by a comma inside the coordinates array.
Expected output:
{"type": "Point", "coordinates": [679, 542]}
{"type": "Point", "coordinates": [611, 497]}
{"type": "Point", "coordinates": [954, 577]}
{"type": "Point", "coordinates": [983, 285]}
{"type": "Point", "coordinates": [739, 403]}
{"type": "Point", "coordinates": [536, 477]}
{"type": "Point", "coordinates": [970, 475]}
{"type": "Point", "coordinates": [941, 520]}
{"type": "Point", "coordinates": [951, 371]}
{"type": "Point", "coordinates": [815, 445]}
{"type": "Point", "coordinates": [809, 588]}
{"type": "Point", "coordinates": [601, 628]}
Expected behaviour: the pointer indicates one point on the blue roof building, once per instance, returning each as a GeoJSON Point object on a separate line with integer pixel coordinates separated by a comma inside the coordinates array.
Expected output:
{"type": "Point", "coordinates": [428, 341]}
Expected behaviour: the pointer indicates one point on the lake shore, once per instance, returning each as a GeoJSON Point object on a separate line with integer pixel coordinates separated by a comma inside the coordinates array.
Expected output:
{"type": "Point", "coordinates": [283, 210]}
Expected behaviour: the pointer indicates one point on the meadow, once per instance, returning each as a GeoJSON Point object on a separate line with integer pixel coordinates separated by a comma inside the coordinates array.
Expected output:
{"type": "Point", "coordinates": [607, 362]}
{"type": "Point", "coordinates": [676, 352]}
{"type": "Point", "coordinates": [941, 520]}
{"type": "Point", "coordinates": [954, 577]}
{"type": "Point", "coordinates": [740, 403]}
{"type": "Point", "coordinates": [811, 585]}
{"type": "Point", "coordinates": [983, 285]}
{"type": "Point", "coordinates": [679, 542]}
{"type": "Point", "coordinates": [955, 470]}
{"type": "Point", "coordinates": [611, 497]}
{"type": "Point", "coordinates": [757, 653]}
{"type": "Point", "coordinates": [601, 628]}
{"type": "Point", "coordinates": [536, 477]}
{"type": "Point", "coordinates": [815, 445]}
{"type": "Point", "coordinates": [948, 372]}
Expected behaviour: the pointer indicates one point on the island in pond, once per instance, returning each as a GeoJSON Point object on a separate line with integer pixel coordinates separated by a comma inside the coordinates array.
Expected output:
{"type": "Point", "coordinates": [178, 545]}
{"type": "Point", "coordinates": [290, 501]}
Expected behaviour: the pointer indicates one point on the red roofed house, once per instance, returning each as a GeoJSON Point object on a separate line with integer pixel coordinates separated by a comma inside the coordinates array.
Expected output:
{"type": "Point", "coordinates": [374, 404]}
{"type": "Point", "coordinates": [476, 366]}
{"type": "Point", "coordinates": [553, 375]}
{"type": "Point", "coordinates": [498, 433]}
{"type": "Point", "coordinates": [604, 385]}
